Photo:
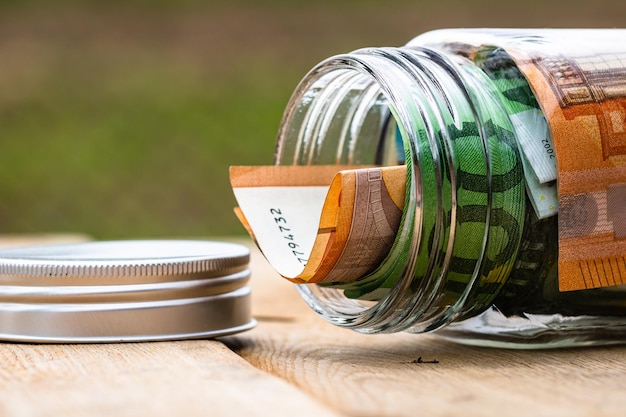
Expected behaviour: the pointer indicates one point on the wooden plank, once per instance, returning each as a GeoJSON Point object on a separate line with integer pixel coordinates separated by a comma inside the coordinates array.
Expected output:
{"type": "Point", "coordinates": [379, 375]}
{"type": "Point", "coordinates": [294, 363]}
{"type": "Point", "coordinates": [7, 241]}
{"type": "Point", "coordinates": [188, 378]}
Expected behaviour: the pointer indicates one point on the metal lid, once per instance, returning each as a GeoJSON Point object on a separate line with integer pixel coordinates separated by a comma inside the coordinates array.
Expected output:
{"type": "Point", "coordinates": [124, 291]}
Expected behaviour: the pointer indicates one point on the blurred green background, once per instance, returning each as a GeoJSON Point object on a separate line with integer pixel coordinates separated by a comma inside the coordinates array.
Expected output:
{"type": "Point", "coordinates": [119, 119]}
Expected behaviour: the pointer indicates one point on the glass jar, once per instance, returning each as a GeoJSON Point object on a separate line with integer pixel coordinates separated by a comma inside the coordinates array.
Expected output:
{"type": "Point", "coordinates": [471, 260]}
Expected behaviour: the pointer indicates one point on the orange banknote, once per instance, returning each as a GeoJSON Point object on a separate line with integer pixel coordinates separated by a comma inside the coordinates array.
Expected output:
{"type": "Point", "coordinates": [583, 94]}
{"type": "Point", "coordinates": [321, 223]}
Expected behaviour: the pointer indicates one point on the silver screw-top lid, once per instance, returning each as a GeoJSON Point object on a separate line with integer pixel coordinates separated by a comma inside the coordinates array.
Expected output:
{"type": "Point", "coordinates": [124, 291]}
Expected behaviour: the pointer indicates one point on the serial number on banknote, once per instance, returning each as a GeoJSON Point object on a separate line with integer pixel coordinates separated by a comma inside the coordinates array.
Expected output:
{"type": "Point", "coordinates": [286, 233]}
{"type": "Point", "coordinates": [547, 145]}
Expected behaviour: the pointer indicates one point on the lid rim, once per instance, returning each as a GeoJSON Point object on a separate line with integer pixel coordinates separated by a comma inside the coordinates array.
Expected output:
{"type": "Point", "coordinates": [57, 260]}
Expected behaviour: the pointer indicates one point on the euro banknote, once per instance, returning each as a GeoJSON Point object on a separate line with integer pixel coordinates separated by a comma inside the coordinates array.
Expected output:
{"type": "Point", "coordinates": [319, 224]}
{"type": "Point", "coordinates": [578, 77]}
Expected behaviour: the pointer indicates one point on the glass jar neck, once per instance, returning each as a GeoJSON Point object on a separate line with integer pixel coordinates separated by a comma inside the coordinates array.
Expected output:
{"type": "Point", "coordinates": [442, 117]}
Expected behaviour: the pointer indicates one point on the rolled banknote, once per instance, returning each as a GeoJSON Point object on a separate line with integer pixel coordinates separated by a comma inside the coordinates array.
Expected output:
{"type": "Point", "coordinates": [320, 224]}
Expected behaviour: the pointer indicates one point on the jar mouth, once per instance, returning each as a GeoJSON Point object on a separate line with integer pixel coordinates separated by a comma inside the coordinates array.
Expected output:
{"type": "Point", "coordinates": [353, 104]}
{"type": "Point", "coordinates": [338, 114]}
{"type": "Point", "coordinates": [367, 107]}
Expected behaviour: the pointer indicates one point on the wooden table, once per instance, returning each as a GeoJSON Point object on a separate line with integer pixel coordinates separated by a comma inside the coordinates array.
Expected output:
{"type": "Point", "coordinates": [295, 364]}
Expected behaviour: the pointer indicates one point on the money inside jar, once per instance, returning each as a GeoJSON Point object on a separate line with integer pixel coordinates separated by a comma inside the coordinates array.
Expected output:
{"type": "Point", "coordinates": [445, 166]}
{"type": "Point", "coordinates": [362, 207]}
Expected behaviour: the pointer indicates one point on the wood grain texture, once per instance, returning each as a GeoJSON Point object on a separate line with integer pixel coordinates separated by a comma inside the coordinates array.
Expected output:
{"type": "Point", "coordinates": [11, 241]}
{"type": "Point", "coordinates": [189, 378]}
{"type": "Point", "coordinates": [380, 375]}
{"type": "Point", "coordinates": [295, 364]}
